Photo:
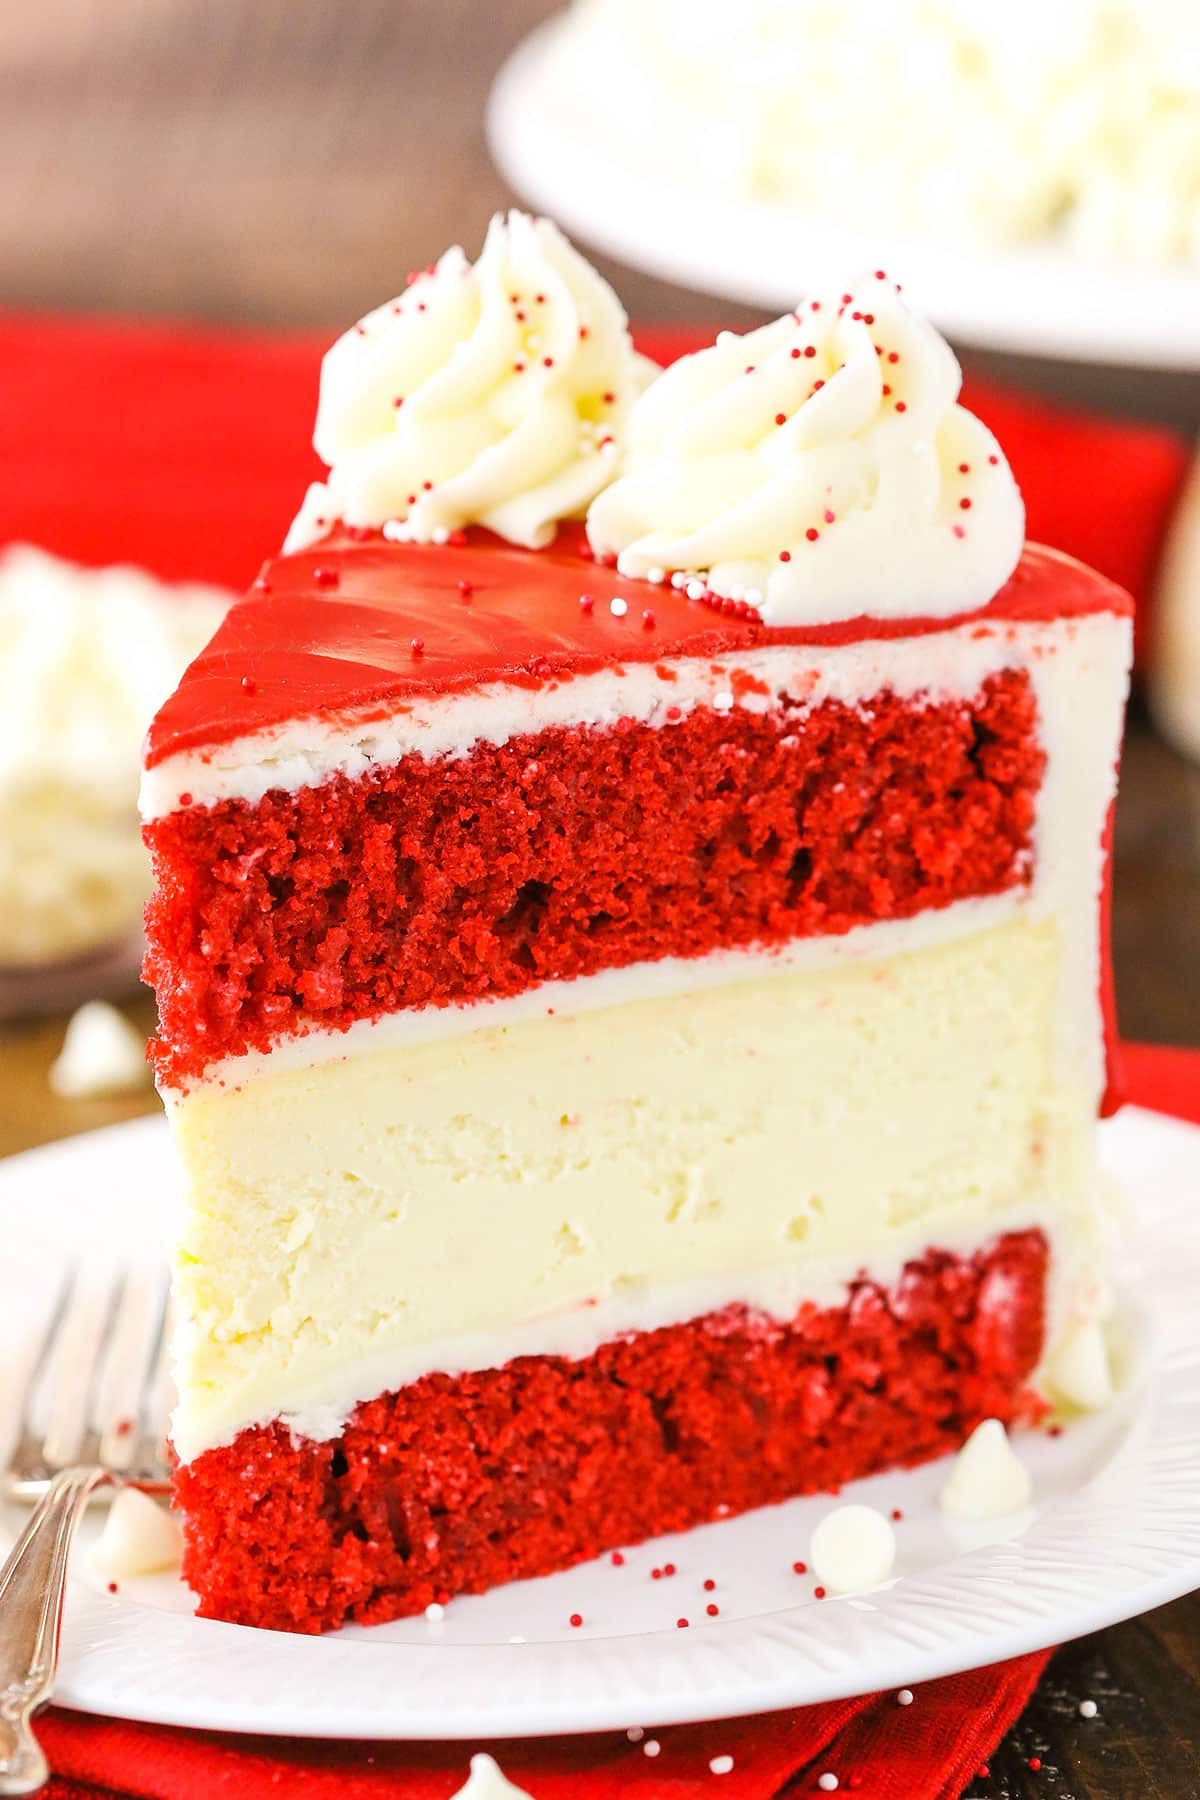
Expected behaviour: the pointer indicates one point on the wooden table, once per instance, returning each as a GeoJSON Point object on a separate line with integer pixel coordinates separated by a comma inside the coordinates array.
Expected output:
{"type": "Point", "coordinates": [287, 160]}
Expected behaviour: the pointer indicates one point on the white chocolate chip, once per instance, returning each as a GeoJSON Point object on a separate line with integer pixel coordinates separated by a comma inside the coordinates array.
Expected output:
{"type": "Point", "coordinates": [101, 1054]}
{"type": "Point", "coordinates": [487, 1781]}
{"type": "Point", "coordinates": [988, 1478]}
{"type": "Point", "coordinates": [139, 1538]}
{"type": "Point", "coordinates": [1079, 1371]}
{"type": "Point", "coordinates": [853, 1547]}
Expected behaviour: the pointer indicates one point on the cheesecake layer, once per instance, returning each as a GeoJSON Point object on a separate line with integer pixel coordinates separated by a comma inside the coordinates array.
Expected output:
{"type": "Point", "coordinates": [537, 1187]}
{"type": "Point", "coordinates": [458, 1482]}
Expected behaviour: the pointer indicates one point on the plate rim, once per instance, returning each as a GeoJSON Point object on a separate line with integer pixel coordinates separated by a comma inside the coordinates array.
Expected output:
{"type": "Point", "coordinates": [1120, 315]}
{"type": "Point", "coordinates": [739, 1667]}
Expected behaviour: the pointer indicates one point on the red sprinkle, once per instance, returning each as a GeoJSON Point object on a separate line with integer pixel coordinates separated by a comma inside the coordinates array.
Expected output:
{"type": "Point", "coordinates": [112, 1587]}
{"type": "Point", "coordinates": [901, 406]}
{"type": "Point", "coordinates": [585, 550]}
{"type": "Point", "coordinates": [576, 1619]}
{"type": "Point", "coordinates": [399, 400]}
{"type": "Point", "coordinates": [830, 517]}
{"type": "Point", "coordinates": [810, 350]}
{"type": "Point", "coordinates": [583, 331]}
{"type": "Point", "coordinates": [648, 620]}
{"type": "Point", "coordinates": [1035, 1763]}
{"type": "Point", "coordinates": [893, 356]}
{"type": "Point", "coordinates": [993, 460]}
{"type": "Point", "coordinates": [880, 275]}
{"type": "Point", "coordinates": [795, 353]}
{"type": "Point", "coordinates": [668, 1568]}
{"type": "Point", "coordinates": [418, 646]}
{"type": "Point", "coordinates": [785, 556]}
{"type": "Point", "coordinates": [458, 538]}
{"type": "Point", "coordinates": [656, 1574]}
{"type": "Point", "coordinates": [547, 362]}
{"type": "Point", "coordinates": [812, 534]}
{"type": "Point", "coordinates": [326, 577]}
{"type": "Point", "coordinates": [618, 1561]}
{"type": "Point", "coordinates": [818, 1593]}
{"type": "Point", "coordinates": [800, 1568]}
{"type": "Point", "coordinates": [965, 504]}
{"type": "Point", "coordinates": [249, 686]}
{"type": "Point", "coordinates": [609, 399]}
{"type": "Point", "coordinates": [586, 603]}
{"type": "Point", "coordinates": [185, 799]}
{"type": "Point", "coordinates": [681, 1624]}
{"type": "Point", "coordinates": [712, 1609]}
{"type": "Point", "coordinates": [674, 713]}
{"type": "Point", "coordinates": [964, 468]}
{"type": "Point", "coordinates": [709, 1585]}
{"type": "Point", "coordinates": [896, 1513]}
{"type": "Point", "coordinates": [466, 587]}
{"type": "Point", "coordinates": [816, 306]}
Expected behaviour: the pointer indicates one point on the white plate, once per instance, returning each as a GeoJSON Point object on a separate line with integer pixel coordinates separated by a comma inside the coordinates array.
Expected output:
{"type": "Point", "coordinates": [571, 161]}
{"type": "Point", "coordinates": [1116, 1530]}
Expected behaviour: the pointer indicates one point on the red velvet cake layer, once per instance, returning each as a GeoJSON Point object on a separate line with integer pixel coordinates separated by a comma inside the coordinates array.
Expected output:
{"type": "Point", "coordinates": [457, 1483]}
{"type": "Point", "coordinates": [329, 633]}
{"type": "Point", "coordinates": [574, 850]}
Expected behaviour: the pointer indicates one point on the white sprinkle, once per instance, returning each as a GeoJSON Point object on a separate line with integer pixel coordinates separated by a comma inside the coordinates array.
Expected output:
{"type": "Point", "coordinates": [1087, 1709]}
{"type": "Point", "coordinates": [440, 534]}
{"type": "Point", "coordinates": [618, 607]}
{"type": "Point", "coordinates": [396, 531]}
{"type": "Point", "coordinates": [827, 1782]}
{"type": "Point", "coordinates": [657, 576]}
{"type": "Point", "coordinates": [695, 590]}
{"type": "Point", "coordinates": [737, 593]}
{"type": "Point", "coordinates": [651, 1747]}
{"type": "Point", "coordinates": [721, 1765]}
{"type": "Point", "coordinates": [904, 1697]}
{"type": "Point", "coordinates": [434, 1612]}
{"type": "Point", "coordinates": [753, 597]}
{"type": "Point", "coordinates": [723, 701]}
{"type": "Point", "coordinates": [678, 579]}
{"type": "Point", "coordinates": [635, 1734]}
{"type": "Point", "coordinates": [534, 339]}
{"type": "Point", "coordinates": [724, 337]}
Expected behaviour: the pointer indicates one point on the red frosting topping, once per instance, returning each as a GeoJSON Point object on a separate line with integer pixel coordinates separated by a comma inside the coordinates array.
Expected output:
{"type": "Point", "coordinates": [356, 627]}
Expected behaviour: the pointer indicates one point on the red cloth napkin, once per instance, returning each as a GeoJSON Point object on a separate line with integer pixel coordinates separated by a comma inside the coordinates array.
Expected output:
{"type": "Point", "coordinates": [926, 1751]}
{"type": "Point", "coordinates": [187, 449]}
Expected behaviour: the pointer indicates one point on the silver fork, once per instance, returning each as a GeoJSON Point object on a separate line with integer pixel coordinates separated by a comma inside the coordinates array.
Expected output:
{"type": "Point", "coordinates": [91, 1417]}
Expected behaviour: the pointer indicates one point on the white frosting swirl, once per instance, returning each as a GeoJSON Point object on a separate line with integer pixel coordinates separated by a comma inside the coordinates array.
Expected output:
{"type": "Point", "coordinates": [494, 394]}
{"type": "Point", "coordinates": [819, 469]}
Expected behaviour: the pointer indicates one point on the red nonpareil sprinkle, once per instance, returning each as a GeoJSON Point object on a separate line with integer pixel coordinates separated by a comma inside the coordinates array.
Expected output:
{"type": "Point", "coordinates": [982, 1772]}
{"type": "Point", "coordinates": [540, 298]}
{"type": "Point", "coordinates": [901, 406]}
{"type": "Point", "coordinates": [781, 418]}
{"type": "Point", "coordinates": [262, 584]}
{"type": "Point", "coordinates": [818, 1593]}
{"type": "Point", "coordinates": [412, 500]}
{"type": "Point", "coordinates": [796, 352]}
{"type": "Point", "coordinates": [965, 504]}
{"type": "Point", "coordinates": [785, 556]}
{"type": "Point", "coordinates": [993, 460]}
{"type": "Point", "coordinates": [1035, 1763]}
{"type": "Point", "coordinates": [846, 299]}
{"type": "Point", "coordinates": [880, 275]}
{"type": "Point", "coordinates": [896, 1513]}
{"type": "Point", "coordinates": [583, 331]}
{"type": "Point", "coordinates": [812, 534]}
{"type": "Point", "coordinates": [417, 646]}
{"type": "Point", "coordinates": [656, 1574]}
{"type": "Point", "coordinates": [886, 389]}
{"type": "Point", "coordinates": [749, 369]}
{"type": "Point", "coordinates": [586, 603]}
{"type": "Point", "coordinates": [648, 620]}
{"type": "Point", "coordinates": [185, 799]}
{"type": "Point", "coordinates": [816, 305]}
{"type": "Point", "coordinates": [466, 587]}
{"type": "Point", "coordinates": [513, 299]}
{"type": "Point", "coordinates": [709, 1585]}
{"type": "Point", "coordinates": [609, 399]}
{"type": "Point", "coordinates": [712, 1609]}
{"type": "Point", "coordinates": [608, 560]}
{"type": "Point", "coordinates": [547, 362]}
{"type": "Point", "coordinates": [576, 1619]}
{"type": "Point", "coordinates": [112, 1587]}
{"type": "Point", "coordinates": [668, 1568]}
{"type": "Point", "coordinates": [518, 368]}
{"type": "Point", "coordinates": [249, 686]}
{"type": "Point", "coordinates": [958, 531]}
{"type": "Point", "coordinates": [427, 486]}
{"type": "Point", "coordinates": [810, 350]}
{"type": "Point", "coordinates": [618, 1561]}
{"type": "Point", "coordinates": [420, 306]}
{"type": "Point", "coordinates": [681, 1624]}
{"type": "Point", "coordinates": [674, 714]}
{"type": "Point", "coordinates": [893, 356]}
{"type": "Point", "coordinates": [817, 386]}
{"type": "Point", "coordinates": [964, 468]}
{"type": "Point", "coordinates": [830, 517]}
{"type": "Point", "coordinates": [457, 537]}
{"type": "Point", "coordinates": [519, 316]}
{"type": "Point", "coordinates": [868, 318]}
{"type": "Point", "coordinates": [585, 550]}
{"type": "Point", "coordinates": [398, 401]}
{"type": "Point", "coordinates": [1055, 1431]}
{"type": "Point", "coordinates": [328, 578]}
{"type": "Point", "coordinates": [800, 1568]}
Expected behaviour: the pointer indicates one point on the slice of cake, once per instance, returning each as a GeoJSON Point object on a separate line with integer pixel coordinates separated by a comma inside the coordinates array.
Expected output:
{"type": "Point", "coordinates": [633, 1036]}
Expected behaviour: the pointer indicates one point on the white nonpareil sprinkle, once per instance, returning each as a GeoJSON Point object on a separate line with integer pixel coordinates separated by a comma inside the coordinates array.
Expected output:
{"type": "Point", "coordinates": [651, 1747]}
{"type": "Point", "coordinates": [827, 1782]}
{"type": "Point", "coordinates": [723, 701]}
{"type": "Point", "coordinates": [695, 590]}
{"type": "Point", "coordinates": [1087, 1709]}
{"type": "Point", "coordinates": [618, 607]}
{"type": "Point", "coordinates": [434, 1612]}
{"type": "Point", "coordinates": [440, 534]}
{"type": "Point", "coordinates": [753, 597]}
{"type": "Point", "coordinates": [904, 1697]}
{"type": "Point", "coordinates": [678, 579]}
{"type": "Point", "coordinates": [635, 1734]}
{"type": "Point", "coordinates": [656, 576]}
{"type": "Point", "coordinates": [721, 1765]}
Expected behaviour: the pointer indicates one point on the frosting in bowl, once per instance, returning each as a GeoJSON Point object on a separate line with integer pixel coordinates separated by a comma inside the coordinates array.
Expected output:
{"type": "Point", "coordinates": [493, 393]}
{"type": "Point", "coordinates": [816, 469]}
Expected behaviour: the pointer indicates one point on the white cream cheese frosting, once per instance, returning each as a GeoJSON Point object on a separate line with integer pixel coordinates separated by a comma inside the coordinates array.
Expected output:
{"type": "Point", "coordinates": [86, 655]}
{"type": "Point", "coordinates": [818, 468]}
{"type": "Point", "coordinates": [492, 393]}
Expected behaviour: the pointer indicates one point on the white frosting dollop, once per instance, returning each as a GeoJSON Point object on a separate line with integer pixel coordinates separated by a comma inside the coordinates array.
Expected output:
{"type": "Point", "coordinates": [487, 1781]}
{"type": "Point", "coordinates": [86, 658]}
{"type": "Point", "coordinates": [495, 393]}
{"type": "Point", "coordinates": [818, 468]}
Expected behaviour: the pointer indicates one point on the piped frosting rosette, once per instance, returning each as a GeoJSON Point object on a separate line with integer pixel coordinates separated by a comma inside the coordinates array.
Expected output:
{"type": "Point", "coordinates": [493, 393]}
{"type": "Point", "coordinates": [817, 469]}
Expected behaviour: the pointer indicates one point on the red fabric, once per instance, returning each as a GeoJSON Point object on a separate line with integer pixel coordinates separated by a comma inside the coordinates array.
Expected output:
{"type": "Point", "coordinates": [926, 1751]}
{"type": "Point", "coordinates": [187, 448]}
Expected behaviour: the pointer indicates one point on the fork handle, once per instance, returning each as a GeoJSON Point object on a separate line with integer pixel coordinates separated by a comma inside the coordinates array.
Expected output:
{"type": "Point", "coordinates": [32, 1583]}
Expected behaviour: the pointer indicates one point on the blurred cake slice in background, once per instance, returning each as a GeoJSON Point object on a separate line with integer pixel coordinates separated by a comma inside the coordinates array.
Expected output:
{"type": "Point", "coordinates": [86, 655]}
